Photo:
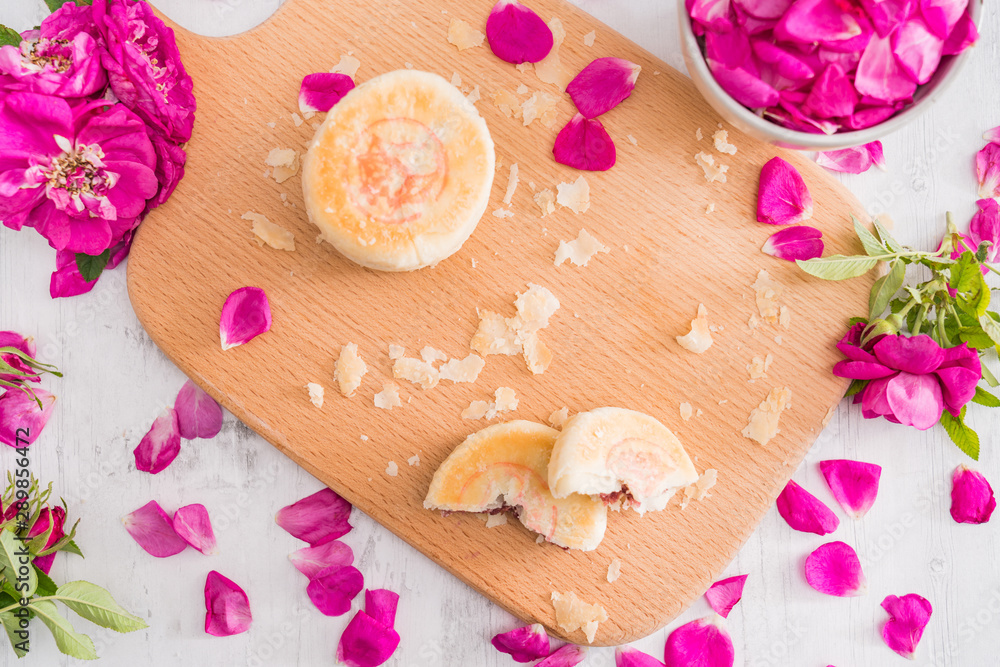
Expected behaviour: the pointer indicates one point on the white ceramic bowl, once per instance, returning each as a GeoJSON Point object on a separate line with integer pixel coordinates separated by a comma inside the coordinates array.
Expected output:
{"type": "Point", "coordinates": [750, 123]}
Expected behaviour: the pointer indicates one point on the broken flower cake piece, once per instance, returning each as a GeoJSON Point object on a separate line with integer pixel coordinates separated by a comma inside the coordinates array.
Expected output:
{"type": "Point", "coordinates": [505, 466]}
{"type": "Point", "coordinates": [619, 455]}
{"type": "Point", "coordinates": [400, 172]}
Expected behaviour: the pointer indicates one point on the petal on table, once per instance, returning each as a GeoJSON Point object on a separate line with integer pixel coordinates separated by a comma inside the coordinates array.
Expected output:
{"type": "Point", "coordinates": [584, 144]}
{"type": "Point", "coordinates": [723, 595]}
{"type": "Point", "coordinates": [198, 414]}
{"type": "Point", "coordinates": [704, 643]}
{"type": "Point", "coordinates": [381, 605]}
{"type": "Point", "coordinates": [988, 171]}
{"type": "Point", "coordinates": [316, 519]}
{"type": "Point", "coordinates": [523, 644]}
{"type": "Point", "coordinates": [972, 499]}
{"type": "Point", "coordinates": [227, 607]}
{"type": "Point", "coordinates": [835, 569]}
{"type": "Point", "coordinates": [517, 34]}
{"type": "Point", "coordinates": [908, 616]}
{"type": "Point", "coordinates": [366, 642]}
{"type": "Point", "coordinates": [21, 420]}
{"type": "Point", "coordinates": [626, 656]}
{"type": "Point", "coordinates": [192, 524]}
{"type": "Point", "coordinates": [153, 530]}
{"type": "Point", "coordinates": [568, 655]}
{"type": "Point", "coordinates": [310, 560]}
{"type": "Point", "coordinates": [320, 91]}
{"type": "Point", "coordinates": [854, 484]}
{"type": "Point", "coordinates": [805, 512]}
{"type": "Point", "coordinates": [161, 444]}
{"type": "Point", "coordinates": [333, 588]}
{"type": "Point", "coordinates": [856, 160]}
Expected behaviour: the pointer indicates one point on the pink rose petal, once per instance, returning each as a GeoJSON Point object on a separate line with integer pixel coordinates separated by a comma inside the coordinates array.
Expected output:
{"type": "Point", "coordinates": [192, 524]}
{"type": "Point", "coordinates": [854, 484]}
{"type": "Point", "coordinates": [744, 86]}
{"type": "Point", "coordinates": [783, 62]}
{"type": "Point", "coordinates": [765, 9]}
{"type": "Point", "coordinates": [887, 14]}
{"type": "Point", "coordinates": [713, 14]}
{"type": "Point", "coordinates": [972, 499]}
{"type": "Point", "coordinates": [856, 160]}
{"type": "Point", "coordinates": [21, 420]}
{"type": "Point", "coordinates": [723, 595]}
{"type": "Point", "coordinates": [517, 34]}
{"type": "Point", "coordinates": [917, 50]}
{"type": "Point", "coordinates": [915, 400]}
{"type": "Point", "coordinates": [782, 197]}
{"type": "Point", "coordinates": [942, 15]}
{"type": "Point", "coordinates": [869, 116]}
{"type": "Point", "coordinates": [796, 242]}
{"type": "Point", "coordinates": [227, 607]}
{"type": "Point", "coordinates": [310, 560]}
{"type": "Point", "coordinates": [333, 588]}
{"type": "Point", "coordinates": [805, 512]}
{"type": "Point", "coordinates": [988, 171]}
{"type": "Point", "coordinates": [880, 75]}
{"type": "Point", "coordinates": [245, 315]}
{"type": "Point", "coordinates": [828, 22]}
{"type": "Point", "coordinates": [834, 569]}
{"type": "Point", "coordinates": [153, 530]}
{"type": "Point", "coordinates": [568, 655]}
{"type": "Point", "coordinates": [962, 37]}
{"type": "Point", "coordinates": [319, 92]}
{"type": "Point", "coordinates": [524, 644]}
{"type": "Point", "coordinates": [992, 136]}
{"type": "Point", "coordinates": [832, 94]}
{"type": "Point", "coordinates": [366, 642]}
{"type": "Point", "coordinates": [602, 85]}
{"type": "Point", "coordinates": [626, 656]}
{"type": "Point", "coordinates": [908, 616]}
{"type": "Point", "coordinates": [381, 605]}
{"type": "Point", "coordinates": [161, 444]}
{"type": "Point", "coordinates": [316, 519]}
{"type": "Point", "coordinates": [585, 144]}
{"type": "Point", "coordinates": [198, 415]}
{"type": "Point", "coordinates": [701, 643]}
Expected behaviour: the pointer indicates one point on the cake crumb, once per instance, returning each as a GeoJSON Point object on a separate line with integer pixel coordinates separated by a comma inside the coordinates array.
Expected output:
{"type": "Point", "coordinates": [269, 233]}
{"type": "Point", "coordinates": [763, 424]}
{"type": "Point", "coordinates": [559, 417]}
{"type": "Point", "coordinates": [550, 69]}
{"type": "Point", "coordinates": [632, 140]}
{"type": "Point", "coordinates": [508, 104]}
{"type": "Point", "coordinates": [285, 163]}
{"type": "Point", "coordinates": [430, 355]}
{"type": "Point", "coordinates": [710, 208]}
{"type": "Point", "coordinates": [414, 460]}
{"type": "Point", "coordinates": [506, 401]}
{"type": "Point", "coordinates": [348, 65]}
{"type": "Point", "coordinates": [757, 368]}
{"type": "Point", "coordinates": [503, 213]}
{"type": "Point", "coordinates": [473, 96]}
{"type": "Point", "coordinates": [686, 411]}
{"type": "Point", "coordinates": [417, 371]}
{"type": "Point", "coordinates": [464, 370]}
{"type": "Point", "coordinates": [590, 38]}
{"type": "Point", "coordinates": [784, 317]}
{"type": "Point", "coordinates": [512, 181]}
{"type": "Point", "coordinates": [476, 410]}
{"type": "Point", "coordinates": [349, 370]}
{"type": "Point", "coordinates": [494, 335]}
{"type": "Point", "coordinates": [456, 79]}
{"type": "Point", "coordinates": [575, 196]}
{"type": "Point", "coordinates": [494, 520]}
{"type": "Point", "coordinates": [713, 172]}
{"type": "Point", "coordinates": [364, 438]}
{"type": "Point", "coordinates": [546, 201]}
{"type": "Point", "coordinates": [537, 355]}
{"type": "Point", "coordinates": [699, 490]}
{"type": "Point", "coordinates": [573, 614]}
{"type": "Point", "coordinates": [315, 394]}
{"type": "Point", "coordinates": [539, 106]}
{"type": "Point", "coordinates": [721, 140]}
{"type": "Point", "coordinates": [396, 351]}
{"type": "Point", "coordinates": [540, 539]}
{"type": "Point", "coordinates": [698, 134]}
{"type": "Point", "coordinates": [523, 67]}
{"type": "Point", "coordinates": [699, 338]}
{"type": "Point", "coordinates": [463, 35]}
{"type": "Point", "coordinates": [297, 120]}
{"type": "Point", "coordinates": [388, 398]}
{"type": "Point", "coordinates": [392, 469]}
{"type": "Point", "coordinates": [766, 293]}
{"type": "Point", "coordinates": [614, 570]}
{"type": "Point", "coordinates": [581, 250]}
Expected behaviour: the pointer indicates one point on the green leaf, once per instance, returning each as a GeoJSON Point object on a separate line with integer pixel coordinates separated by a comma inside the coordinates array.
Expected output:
{"type": "Point", "coordinates": [886, 237]}
{"type": "Point", "coordinates": [871, 244]}
{"type": "Point", "coordinates": [989, 377]}
{"type": "Point", "coordinates": [990, 327]}
{"type": "Point", "coordinates": [54, 5]}
{"type": "Point", "coordinates": [96, 605]}
{"type": "Point", "coordinates": [855, 388]}
{"type": "Point", "coordinates": [984, 397]}
{"type": "Point", "coordinates": [46, 586]}
{"type": "Point", "coordinates": [67, 639]}
{"type": "Point", "coordinates": [92, 266]}
{"type": "Point", "coordinates": [975, 337]}
{"type": "Point", "coordinates": [71, 547]}
{"type": "Point", "coordinates": [9, 561]}
{"type": "Point", "coordinates": [877, 328]}
{"type": "Point", "coordinates": [961, 277]}
{"type": "Point", "coordinates": [885, 288]}
{"type": "Point", "coordinates": [9, 36]}
{"type": "Point", "coordinates": [837, 267]}
{"type": "Point", "coordinates": [11, 624]}
{"type": "Point", "coordinates": [964, 437]}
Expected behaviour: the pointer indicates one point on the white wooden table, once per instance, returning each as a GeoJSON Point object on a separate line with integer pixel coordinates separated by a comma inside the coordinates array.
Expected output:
{"type": "Point", "coordinates": [116, 381]}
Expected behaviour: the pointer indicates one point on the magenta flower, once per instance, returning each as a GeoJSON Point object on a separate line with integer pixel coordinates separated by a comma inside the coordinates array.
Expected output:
{"type": "Point", "coordinates": [56, 517]}
{"type": "Point", "coordinates": [60, 59]}
{"type": "Point", "coordinates": [79, 175]}
{"type": "Point", "coordinates": [67, 280]}
{"type": "Point", "coordinates": [170, 161]}
{"type": "Point", "coordinates": [25, 345]}
{"type": "Point", "coordinates": [144, 66]}
{"type": "Point", "coordinates": [985, 226]}
{"type": "Point", "coordinates": [912, 380]}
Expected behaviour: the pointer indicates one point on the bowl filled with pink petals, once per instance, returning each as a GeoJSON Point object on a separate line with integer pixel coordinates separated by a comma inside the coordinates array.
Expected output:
{"type": "Point", "coordinates": [825, 74]}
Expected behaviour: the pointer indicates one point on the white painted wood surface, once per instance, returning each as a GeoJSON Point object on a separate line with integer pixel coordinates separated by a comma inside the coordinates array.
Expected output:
{"type": "Point", "coordinates": [117, 382]}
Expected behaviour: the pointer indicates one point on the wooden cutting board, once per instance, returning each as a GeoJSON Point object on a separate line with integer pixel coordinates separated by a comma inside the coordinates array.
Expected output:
{"type": "Point", "coordinates": [613, 338]}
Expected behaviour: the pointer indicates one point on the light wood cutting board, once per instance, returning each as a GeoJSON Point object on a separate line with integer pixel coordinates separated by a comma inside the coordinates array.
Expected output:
{"type": "Point", "coordinates": [613, 338]}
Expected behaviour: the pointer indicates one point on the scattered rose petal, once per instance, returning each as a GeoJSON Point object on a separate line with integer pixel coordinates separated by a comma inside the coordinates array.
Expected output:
{"type": "Point", "coordinates": [381, 605]}
{"type": "Point", "coordinates": [198, 415]}
{"type": "Point", "coordinates": [723, 595]}
{"type": "Point", "coordinates": [854, 484]}
{"type": "Point", "coordinates": [21, 420]}
{"type": "Point", "coordinates": [153, 530]}
{"type": "Point", "coordinates": [192, 524]}
{"type": "Point", "coordinates": [701, 643]}
{"type": "Point", "coordinates": [834, 569]}
{"type": "Point", "coordinates": [366, 642]}
{"type": "Point", "coordinates": [988, 171]}
{"type": "Point", "coordinates": [568, 655]}
{"type": "Point", "coordinates": [602, 85]}
{"type": "Point", "coordinates": [783, 197]}
{"type": "Point", "coordinates": [227, 607]}
{"type": "Point", "coordinates": [626, 656]}
{"type": "Point", "coordinates": [524, 644]}
{"type": "Point", "coordinates": [311, 560]}
{"type": "Point", "coordinates": [917, 50]}
{"type": "Point", "coordinates": [316, 519]}
{"type": "Point", "coordinates": [585, 144]}
{"type": "Point", "coordinates": [333, 588]}
{"type": "Point", "coordinates": [22, 344]}
{"type": "Point", "coordinates": [319, 92]}
{"type": "Point", "coordinates": [855, 160]}
{"type": "Point", "coordinates": [805, 512]}
{"type": "Point", "coordinates": [795, 242]}
{"type": "Point", "coordinates": [908, 616]}
{"type": "Point", "coordinates": [517, 34]}
{"type": "Point", "coordinates": [161, 445]}
{"type": "Point", "coordinates": [972, 499]}
{"type": "Point", "coordinates": [245, 315]}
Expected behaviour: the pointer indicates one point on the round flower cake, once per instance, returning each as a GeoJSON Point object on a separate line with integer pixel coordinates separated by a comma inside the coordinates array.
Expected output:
{"type": "Point", "coordinates": [400, 172]}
